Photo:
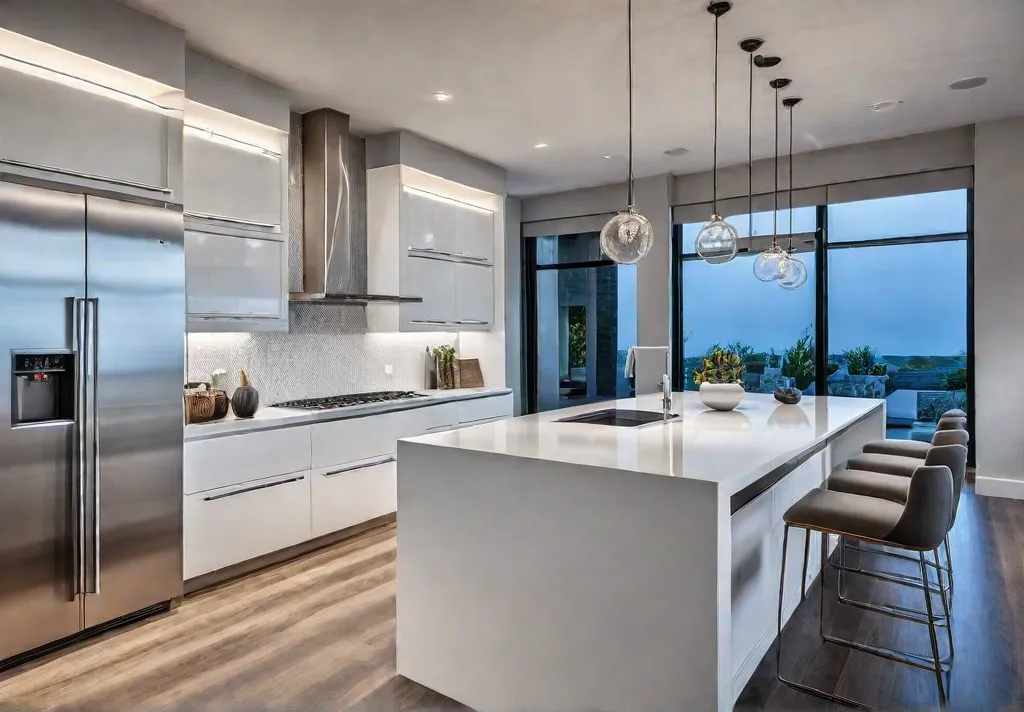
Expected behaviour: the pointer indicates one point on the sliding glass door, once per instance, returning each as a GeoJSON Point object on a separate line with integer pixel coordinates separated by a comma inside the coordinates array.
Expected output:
{"type": "Point", "coordinates": [580, 318]}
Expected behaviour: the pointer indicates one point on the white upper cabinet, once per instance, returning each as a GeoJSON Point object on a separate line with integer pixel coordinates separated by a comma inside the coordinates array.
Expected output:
{"type": "Point", "coordinates": [235, 185]}
{"type": "Point", "coordinates": [84, 138]}
{"type": "Point", "coordinates": [234, 277]}
{"type": "Point", "coordinates": [429, 223]}
{"type": "Point", "coordinates": [235, 155]}
{"type": "Point", "coordinates": [474, 295]}
{"type": "Point", "coordinates": [430, 238]}
{"type": "Point", "coordinates": [474, 233]}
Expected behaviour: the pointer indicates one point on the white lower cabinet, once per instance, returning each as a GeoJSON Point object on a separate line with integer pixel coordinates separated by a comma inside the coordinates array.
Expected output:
{"type": "Point", "coordinates": [233, 524]}
{"type": "Point", "coordinates": [350, 494]}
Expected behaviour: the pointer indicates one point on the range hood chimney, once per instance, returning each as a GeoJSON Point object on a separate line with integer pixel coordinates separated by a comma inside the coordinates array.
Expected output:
{"type": "Point", "coordinates": [328, 263]}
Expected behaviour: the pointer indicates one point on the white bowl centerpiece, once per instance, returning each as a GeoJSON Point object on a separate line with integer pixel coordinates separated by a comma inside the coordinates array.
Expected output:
{"type": "Point", "coordinates": [720, 379]}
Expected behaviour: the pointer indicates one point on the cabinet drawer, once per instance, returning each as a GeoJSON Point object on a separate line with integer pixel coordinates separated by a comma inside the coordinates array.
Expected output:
{"type": "Point", "coordinates": [353, 439]}
{"type": "Point", "coordinates": [346, 495]}
{"type": "Point", "coordinates": [220, 462]}
{"type": "Point", "coordinates": [230, 183]}
{"type": "Point", "coordinates": [233, 524]}
{"type": "Point", "coordinates": [234, 276]}
{"type": "Point", "coordinates": [485, 408]}
{"type": "Point", "coordinates": [432, 419]}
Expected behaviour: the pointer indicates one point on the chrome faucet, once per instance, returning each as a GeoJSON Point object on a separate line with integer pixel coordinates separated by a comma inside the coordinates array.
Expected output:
{"type": "Point", "coordinates": [666, 396]}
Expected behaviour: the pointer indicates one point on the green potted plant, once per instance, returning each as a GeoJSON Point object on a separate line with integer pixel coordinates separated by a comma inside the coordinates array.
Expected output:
{"type": "Point", "coordinates": [798, 361]}
{"type": "Point", "coordinates": [773, 364]}
{"type": "Point", "coordinates": [720, 379]}
{"type": "Point", "coordinates": [444, 359]}
{"type": "Point", "coordinates": [866, 373]}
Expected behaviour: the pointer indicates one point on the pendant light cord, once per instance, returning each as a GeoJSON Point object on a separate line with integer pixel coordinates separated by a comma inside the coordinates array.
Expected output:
{"type": "Point", "coordinates": [775, 212]}
{"type": "Point", "coordinates": [714, 144]}
{"type": "Point", "coordinates": [791, 177]}
{"type": "Point", "coordinates": [750, 152]}
{"type": "Point", "coordinates": [629, 65]}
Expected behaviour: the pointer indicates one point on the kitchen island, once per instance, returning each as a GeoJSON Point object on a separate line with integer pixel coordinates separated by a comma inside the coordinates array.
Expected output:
{"type": "Point", "coordinates": [547, 565]}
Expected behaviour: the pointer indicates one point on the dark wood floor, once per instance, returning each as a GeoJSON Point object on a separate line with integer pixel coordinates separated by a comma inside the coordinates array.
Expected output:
{"type": "Point", "coordinates": [318, 633]}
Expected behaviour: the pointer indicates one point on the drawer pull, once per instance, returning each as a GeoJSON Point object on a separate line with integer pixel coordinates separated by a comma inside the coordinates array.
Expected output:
{"type": "Point", "coordinates": [428, 321]}
{"type": "Point", "coordinates": [472, 322]}
{"type": "Point", "coordinates": [226, 219]}
{"type": "Point", "coordinates": [439, 427]}
{"type": "Point", "coordinates": [254, 488]}
{"type": "Point", "coordinates": [363, 466]}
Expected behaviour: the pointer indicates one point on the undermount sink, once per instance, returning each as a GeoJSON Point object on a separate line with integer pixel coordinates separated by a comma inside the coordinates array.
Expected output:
{"type": "Point", "coordinates": [618, 418]}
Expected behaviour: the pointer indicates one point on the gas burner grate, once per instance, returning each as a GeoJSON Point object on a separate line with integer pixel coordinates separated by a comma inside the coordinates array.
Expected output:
{"type": "Point", "coordinates": [331, 402]}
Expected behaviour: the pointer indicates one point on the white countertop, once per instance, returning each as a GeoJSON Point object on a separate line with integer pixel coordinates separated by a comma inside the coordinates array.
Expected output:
{"type": "Point", "coordinates": [732, 448]}
{"type": "Point", "coordinates": [269, 418]}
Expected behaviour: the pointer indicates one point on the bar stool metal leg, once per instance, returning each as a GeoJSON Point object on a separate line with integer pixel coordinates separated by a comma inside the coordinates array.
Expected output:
{"type": "Point", "coordinates": [778, 650]}
{"type": "Point", "coordinates": [934, 639]}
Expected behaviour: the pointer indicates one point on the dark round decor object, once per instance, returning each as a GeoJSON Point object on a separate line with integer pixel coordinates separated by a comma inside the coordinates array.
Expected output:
{"type": "Point", "coordinates": [246, 399]}
{"type": "Point", "coordinates": [789, 396]}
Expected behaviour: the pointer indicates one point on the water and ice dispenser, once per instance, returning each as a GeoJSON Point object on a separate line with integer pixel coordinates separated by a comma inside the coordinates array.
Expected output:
{"type": "Point", "coordinates": [44, 387]}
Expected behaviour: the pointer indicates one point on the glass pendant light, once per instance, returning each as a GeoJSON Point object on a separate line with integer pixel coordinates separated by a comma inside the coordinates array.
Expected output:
{"type": "Point", "coordinates": [773, 263]}
{"type": "Point", "coordinates": [627, 237]}
{"type": "Point", "coordinates": [718, 241]}
{"type": "Point", "coordinates": [796, 274]}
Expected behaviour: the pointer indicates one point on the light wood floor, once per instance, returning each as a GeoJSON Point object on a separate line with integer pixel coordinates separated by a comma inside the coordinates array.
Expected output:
{"type": "Point", "coordinates": [318, 633]}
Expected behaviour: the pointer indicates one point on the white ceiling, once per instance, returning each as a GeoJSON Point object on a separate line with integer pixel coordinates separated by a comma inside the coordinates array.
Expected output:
{"type": "Point", "coordinates": [526, 71]}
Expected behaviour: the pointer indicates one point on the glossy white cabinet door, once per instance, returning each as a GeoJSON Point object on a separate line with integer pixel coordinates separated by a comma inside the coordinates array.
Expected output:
{"type": "Point", "coordinates": [429, 223]}
{"type": "Point", "coordinates": [234, 276]}
{"type": "Point", "coordinates": [230, 183]}
{"type": "Point", "coordinates": [434, 281]}
{"type": "Point", "coordinates": [50, 125]}
{"type": "Point", "coordinates": [474, 295]}
{"type": "Point", "coordinates": [479, 410]}
{"type": "Point", "coordinates": [222, 462]}
{"type": "Point", "coordinates": [346, 495]}
{"type": "Point", "coordinates": [474, 233]}
{"type": "Point", "coordinates": [234, 524]}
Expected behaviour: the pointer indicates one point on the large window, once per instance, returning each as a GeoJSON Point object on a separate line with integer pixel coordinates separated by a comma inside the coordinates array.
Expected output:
{"type": "Point", "coordinates": [897, 306]}
{"type": "Point", "coordinates": [724, 306]}
{"type": "Point", "coordinates": [887, 316]}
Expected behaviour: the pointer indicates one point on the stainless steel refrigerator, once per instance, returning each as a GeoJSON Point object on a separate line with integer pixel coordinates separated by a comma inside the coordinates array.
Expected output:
{"type": "Point", "coordinates": [92, 324]}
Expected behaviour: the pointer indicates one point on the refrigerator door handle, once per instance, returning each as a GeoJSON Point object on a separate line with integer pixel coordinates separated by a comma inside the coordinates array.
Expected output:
{"type": "Point", "coordinates": [80, 451]}
{"type": "Point", "coordinates": [92, 317]}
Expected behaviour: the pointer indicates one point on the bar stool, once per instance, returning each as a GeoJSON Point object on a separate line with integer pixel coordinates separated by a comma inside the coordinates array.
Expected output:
{"type": "Point", "coordinates": [917, 448]}
{"type": "Point", "coordinates": [894, 486]}
{"type": "Point", "coordinates": [917, 526]}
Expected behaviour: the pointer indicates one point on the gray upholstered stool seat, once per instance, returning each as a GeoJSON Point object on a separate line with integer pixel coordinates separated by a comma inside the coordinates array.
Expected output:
{"type": "Point", "coordinates": [954, 413]}
{"type": "Point", "coordinates": [881, 462]}
{"type": "Point", "coordinates": [916, 448]}
{"type": "Point", "coordinates": [891, 488]}
{"type": "Point", "coordinates": [951, 423]}
{"type": "Point", "coordinates": [846, 514]}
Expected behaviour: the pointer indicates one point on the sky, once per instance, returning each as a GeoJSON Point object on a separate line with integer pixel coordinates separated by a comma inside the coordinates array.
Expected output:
{"type": "Point", "coordinates": [898, 299]}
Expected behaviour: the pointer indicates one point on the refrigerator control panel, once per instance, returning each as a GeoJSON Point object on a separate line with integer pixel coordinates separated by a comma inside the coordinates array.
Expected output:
{"type": "Point", "coordinates": [43, 390]}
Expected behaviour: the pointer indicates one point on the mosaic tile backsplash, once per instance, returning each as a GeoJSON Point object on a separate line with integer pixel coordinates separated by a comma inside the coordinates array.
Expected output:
{"type": "Point", "coordinates": [327, 352]}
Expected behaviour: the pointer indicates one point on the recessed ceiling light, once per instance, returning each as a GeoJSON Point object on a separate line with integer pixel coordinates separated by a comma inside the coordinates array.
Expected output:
{"type": "Point", "coordinates": [968, 83]}
{"type": "Point", "coordinates": [442, 96]}
{"type": "Point", "coordinates": [679, 151]}
{"type": "Point", "coordinates": [540, 145]}
{"type": "Point", "coordinates": [885, 105]}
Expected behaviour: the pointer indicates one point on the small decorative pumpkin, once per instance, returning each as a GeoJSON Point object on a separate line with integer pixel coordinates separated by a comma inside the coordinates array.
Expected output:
{"type": "Point", "coordinates": [246, 399]}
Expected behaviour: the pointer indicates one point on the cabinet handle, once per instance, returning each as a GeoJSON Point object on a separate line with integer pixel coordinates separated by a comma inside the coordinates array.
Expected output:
{"type": "Point", "coordinates": [254, 488]}
{"type": "Point", "coordinates": [363, 466]}
{"type": "Point", "coordinates": [472, 321]}
{"type": "Point", "coordinates": [429, 321]}
{"type": "Point", "coordinates": [474, 258]}
{"type": "Point", "coordinates": [429, 251]}
{"type": "Point", "coordinates": [87, 176]}
{"type": "Point", "coordinates": [235, 221]}
{"type": "Point", "coordinates": [438, 427]}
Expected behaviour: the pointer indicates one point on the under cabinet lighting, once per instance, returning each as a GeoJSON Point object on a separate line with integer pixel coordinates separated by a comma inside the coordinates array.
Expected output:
{"type": "Point", "coordinates": [238, 144]}
{"type": "Point", "coordinates": [69, 80]}
{"type": "Point", "coordinates": [442, 199]}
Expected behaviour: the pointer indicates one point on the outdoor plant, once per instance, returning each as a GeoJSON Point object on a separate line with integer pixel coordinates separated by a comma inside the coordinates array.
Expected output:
{"type": "Point", "coordinates": [832, 368]}
{"type": "Point", "coordinates": [720, 366]}
{"type": "Point", "coordinates": [879, 369]}
{"type": "Point", "coordinates": [918, 363]}
{"type": "Point", "coordinates": [577, 337]}
{"type": "Point", "coordinates": [957, 380]}
{"type": "Point", "coordinates": [798, 361]}
{"type": "Point", "coordinates": [930, 410]}
{"type": "Point", "coordinates": [860, 361]}
{"type": "Point", "coordinates": [773, 359]}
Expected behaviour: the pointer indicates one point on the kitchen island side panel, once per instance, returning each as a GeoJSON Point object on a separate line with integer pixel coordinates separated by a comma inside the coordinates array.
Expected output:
{"type": "Point", "coordinates": [530, 584]}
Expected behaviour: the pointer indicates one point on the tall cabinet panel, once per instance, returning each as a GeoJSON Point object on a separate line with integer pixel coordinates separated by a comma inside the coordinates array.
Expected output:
{"type": "Point", "coordinates": [42, 274]}
{"type": "Point", "coordinates": [136, 277]}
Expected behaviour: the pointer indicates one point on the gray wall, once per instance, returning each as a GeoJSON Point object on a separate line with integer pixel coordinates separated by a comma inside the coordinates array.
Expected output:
{"type": "Point", "coordinates": [428, 156]}
{"type": "Point", "coordinates": [998, 297]}
{"type": "Point", "coordinates": [216, 84]}
{"type": "Point", "coordinates": [513, 303]}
